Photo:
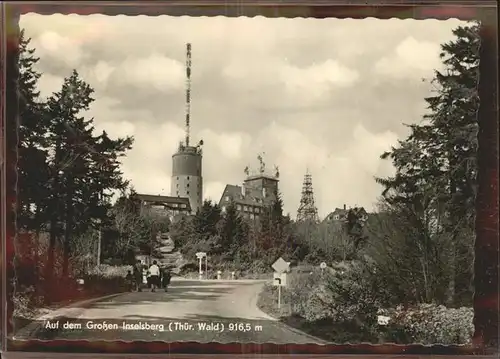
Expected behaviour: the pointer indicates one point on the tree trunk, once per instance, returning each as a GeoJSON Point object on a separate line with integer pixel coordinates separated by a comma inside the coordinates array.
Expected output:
{"type": "Point", "coordinates": [68, 230]}
{"type": "Point", "coordinates": [54, 228]}
{"type": "Point", "coordinates": [49, 267]}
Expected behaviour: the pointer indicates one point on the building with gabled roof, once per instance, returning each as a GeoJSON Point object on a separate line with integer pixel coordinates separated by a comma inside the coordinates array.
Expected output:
{"type": "Point", "coordinates": [164, 205]}
{"type": "Point", "coordinates": [256, 193]}
{"type": "Point", "coordinates": [340, 214]}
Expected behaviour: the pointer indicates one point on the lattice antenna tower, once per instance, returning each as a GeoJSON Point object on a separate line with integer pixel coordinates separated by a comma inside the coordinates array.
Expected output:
{"type": "Point", "coordinates": [188, 91]}
{"type": "Point", "coordinates": [307, 211]}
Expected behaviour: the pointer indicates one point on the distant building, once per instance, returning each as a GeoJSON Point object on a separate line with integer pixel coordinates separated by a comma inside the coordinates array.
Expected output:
{"type": "Point", "coordinates": [164, 205]}
{"type": "Point", "coordinates": [340, 214]}
{"type": "Point", "coordinates": [256, 193]}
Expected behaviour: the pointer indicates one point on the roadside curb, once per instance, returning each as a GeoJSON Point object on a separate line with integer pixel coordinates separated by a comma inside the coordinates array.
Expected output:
{"type": "Point", "coordinates": [33, 328]}
{"type": "Point", "coordinates": [315, 340]}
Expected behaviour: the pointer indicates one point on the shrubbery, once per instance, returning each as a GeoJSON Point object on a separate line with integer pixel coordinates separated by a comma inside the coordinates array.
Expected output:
{"type": "Point", "coordinates": [429, 323]}
{"type": "Point", "coordinates": [28, 299]}
{"type": "Point", "coordinates": [343, 303]}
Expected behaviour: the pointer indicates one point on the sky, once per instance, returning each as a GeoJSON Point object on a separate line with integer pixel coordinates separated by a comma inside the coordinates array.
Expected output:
{"type": "Point", "coordinates": [324, 95]}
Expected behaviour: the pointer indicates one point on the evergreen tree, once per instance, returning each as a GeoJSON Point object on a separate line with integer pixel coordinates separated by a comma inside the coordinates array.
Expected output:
{"type": "Point", "coordinates": [233, 232]}
{"type": "Point", "coordinates": [85, 168]}
{"type": "Point", "coordinates": [354, 227]}
{"type": "Point", "coordinates": [205, 221]}
{"type": "Point", "coordinates": [32, 160]}
{"type": "Point", "coordinates": [436, 165]}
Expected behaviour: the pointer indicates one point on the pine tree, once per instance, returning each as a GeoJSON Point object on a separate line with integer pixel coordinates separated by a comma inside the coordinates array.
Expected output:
{"type": "Point", "coordinates": [205, 221]}
{"type": "Point", "coordinates": [436, 165]}
{"type": "Point", "coordinates": [85, 168]}
{"type": "Point", "coordinates": [32, 161]}
{"type": "Point", "coordinates": [32, 167]}
{"type": "Point", "coordinates": [232, 233]}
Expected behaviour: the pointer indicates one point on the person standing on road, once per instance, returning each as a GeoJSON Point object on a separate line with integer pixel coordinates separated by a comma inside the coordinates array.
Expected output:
{"type": "Point", "coordinates": [154, 272]}
{"type": "Point", "coordinates": [166, 277]}
{"type": "Point", "coordinates": [138, 275]}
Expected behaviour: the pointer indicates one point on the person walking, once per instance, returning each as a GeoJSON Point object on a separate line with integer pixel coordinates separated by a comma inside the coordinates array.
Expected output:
{"type": "Point", "coordinates": [166, 277]}
{"type": "Point", "coordinates": [138, 275]}
{"type": "Point", "coordinates": [154, 272]}
{"type": "Point", "coordinates": [130, 281]}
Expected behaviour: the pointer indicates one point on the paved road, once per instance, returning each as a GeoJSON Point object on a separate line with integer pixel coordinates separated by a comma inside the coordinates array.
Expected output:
{"type": "Point", "coordinates": [192, 310]}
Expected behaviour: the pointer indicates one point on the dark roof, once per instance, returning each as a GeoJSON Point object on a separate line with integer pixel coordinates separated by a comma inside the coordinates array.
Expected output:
{"type": "Point", "coordinates": [163, 200]}
{"type": "Point", "coordinates": [343, 212]}
{"type": "Point", "coordinates": [338, 212]}
{"type": "Point", "coordinates": [253, 197]}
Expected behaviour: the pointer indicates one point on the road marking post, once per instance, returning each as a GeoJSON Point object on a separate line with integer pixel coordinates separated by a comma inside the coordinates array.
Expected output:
{"type": "Point", "coordinates": [279, 293]}
{"type": "Point", "coordinates": [281, 267]}
{"type": "Point", "coordinates": [219, 274]}
{"type": "Point", "coordinates": [322, 266]}
{"type": "Point", "coordinates": [200, 256]}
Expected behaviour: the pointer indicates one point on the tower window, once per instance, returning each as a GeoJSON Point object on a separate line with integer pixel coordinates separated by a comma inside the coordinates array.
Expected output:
{"type": "Point", "coordinates": [188, 193]}
{"type": "Point", "coordinates": [188, 178]}
{"type": "Point", "coordinates": [187, 185]}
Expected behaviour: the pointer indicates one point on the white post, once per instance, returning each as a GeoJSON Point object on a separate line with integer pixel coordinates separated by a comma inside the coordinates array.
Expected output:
{"type": "Point", "coordinates": [232, 275]}
{"type": "Point", "coordinates": [219, 273]}
{"type": "Point", "coordinates": [279, 295]}
{"type": "Point", "coordinates": [200, 271]}
{"type": "Point", "coordinates": [206, 266]}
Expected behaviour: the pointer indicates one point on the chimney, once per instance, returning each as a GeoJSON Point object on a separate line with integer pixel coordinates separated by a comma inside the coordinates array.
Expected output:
{"type": "Point", "coordinates": [344, 206]}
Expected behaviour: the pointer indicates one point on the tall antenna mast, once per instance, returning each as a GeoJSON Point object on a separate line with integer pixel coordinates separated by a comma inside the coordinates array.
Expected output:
{"type": "Point", "coordinates": [188, 90]}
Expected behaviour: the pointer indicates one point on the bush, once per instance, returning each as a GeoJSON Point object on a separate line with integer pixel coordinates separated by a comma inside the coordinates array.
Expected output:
{"type": "Point", "coordinates": [25, 303]}
{"type": "Point", "coordinates": [429, 324]}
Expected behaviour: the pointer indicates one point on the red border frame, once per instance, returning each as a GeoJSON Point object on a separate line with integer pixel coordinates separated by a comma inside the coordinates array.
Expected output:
{"type": "Point", "coordinates": [487, 243]}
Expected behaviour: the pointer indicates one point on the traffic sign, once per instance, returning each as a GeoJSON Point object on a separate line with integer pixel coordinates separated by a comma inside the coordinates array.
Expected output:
{"type": "Point", "coordinates": [322, 265]}
{"type": "Point", "coordinates": [200, 255]}
{"type": "Point", "coordinates": [279, 279]}
{"type": "Point", "coordinates": [280, 265]}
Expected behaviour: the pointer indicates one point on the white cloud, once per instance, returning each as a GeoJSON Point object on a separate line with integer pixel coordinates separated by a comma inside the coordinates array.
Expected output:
{"type": "Point", "coordinates": [48, 84]}
{"type": "Point", "coordinates": [410, 59]}
{"type": "Point", "coordinates": [313, 83]}
{"type": "Point", "coordinates": [156, 72]}
{"type": "Point", "coordinates": [102, 71]}
{"type": "Point", "coordinates": [227, 145]}
{"type": "Point", "coordinates": [59, 48]}
{"type": "Point", "coordinates": [367, 147]}
{"type": "Point", "coordinates": [116, 128]}
{"type": "Point", "coordinates": [213, 190]}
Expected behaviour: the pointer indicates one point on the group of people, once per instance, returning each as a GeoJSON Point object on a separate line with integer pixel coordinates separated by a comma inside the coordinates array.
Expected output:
{"type": "Point", "coordinates": [156, 277]}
